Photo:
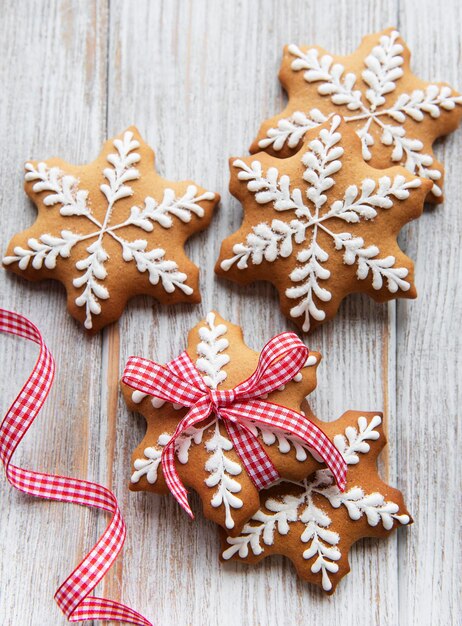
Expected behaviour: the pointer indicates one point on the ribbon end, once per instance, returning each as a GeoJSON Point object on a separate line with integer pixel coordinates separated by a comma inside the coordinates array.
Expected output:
{"type": "Point", "coordinates": [341, 479]}
{"type": "Point", "coordinates": [185, 506]}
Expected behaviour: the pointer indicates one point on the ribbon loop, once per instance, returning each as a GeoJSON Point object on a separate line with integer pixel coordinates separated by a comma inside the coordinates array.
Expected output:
{"type": "Point", "coordinates": [161, 381]}
{"type": "Point", "coordinates": [185, 369]}
{"type": "Point", "coordinates": [280, 360]}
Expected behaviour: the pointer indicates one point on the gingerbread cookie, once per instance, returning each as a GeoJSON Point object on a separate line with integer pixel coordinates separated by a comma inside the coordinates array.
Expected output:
{"type": "Point", "coordinates": [208, 455]}
{"type": "Point", "coordinates": [110, 230]}
{"type": "Point", "coordinates": [396, 115]}
{"type": "Point", "coordinates": [312, 522]}
{"type": "Point", "coordinates": [322, 224]}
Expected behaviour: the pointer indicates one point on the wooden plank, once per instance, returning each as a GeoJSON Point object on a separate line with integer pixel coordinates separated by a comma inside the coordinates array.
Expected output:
{"type": "Point", "coordinates": [429, 366]}
{"type": "Point", "coordinates": [197, 79]}
{"type": "Point", "coordinates": [53, 102]}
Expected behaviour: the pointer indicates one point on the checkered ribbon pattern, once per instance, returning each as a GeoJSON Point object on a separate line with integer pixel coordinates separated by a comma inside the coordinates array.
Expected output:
{"type": "Point", "coordinates": [181, 383]}
{"type": "Point", "coordinates": [73, 596]}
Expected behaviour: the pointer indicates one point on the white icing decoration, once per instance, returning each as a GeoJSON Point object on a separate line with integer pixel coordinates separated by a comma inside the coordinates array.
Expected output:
{"type": "Point", "coordinates": [223, 470]}
{"type": "Point", "coordinates": [210, 350]}
{"type": "Point", "coordinates": [285, 441]}
{"type": "Point", "coordinates": [383, 68]}
{"type": "Point", "coordinates": [211, 362]}
{"type": "Point", "coordinates": [272, 241]}
{"type": "Point", "coordinates": [310, 362]}
{"type": "Point", "coordinates": [182, 208]}
{"type": "Point", "coordinates": [292, 129]}
{"type": "Point", "coordinates": [322, 543]}
{"type": "Point", "coordinates": [64, 191]}
{"type": "Point", "coordinates": [148, 466]}
{"type": "Point", "coordinates": [354, 441]}
{"type": "Point", "coordinates": [157, 403]}
{"type": "Point", "coordinates": [184, 442]}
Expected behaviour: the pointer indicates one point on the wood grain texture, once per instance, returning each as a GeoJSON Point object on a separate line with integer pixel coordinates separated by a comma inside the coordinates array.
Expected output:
{"type": "Point", "coordinates": [53, 102]}
{"type": "Point", "coordinates": [197, 78]}
{"type": "Point", "coordinates": [429, 366]}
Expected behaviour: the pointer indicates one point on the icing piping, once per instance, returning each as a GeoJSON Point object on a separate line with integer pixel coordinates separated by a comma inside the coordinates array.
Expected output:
{"type": "Point", "coordinates": [284, 441]}
{"type": "Point", "coordinates": [221, 469]}
{"type": "Point", "coordinates": [211, 361]}
{"type": "Point", "coordinates": [322, 543]}
{"type": "Point", "coordinates": [270, 242]}
{"type": "Point", "coordinates": [63, 190]}
{"type": "Point", "coordinates": [148, 466]}
{"type": "Point", "coordinates": [157, 403]}
{"type": "Point", "coordinates": [383, 68]}
{"type": "Point", "coordinates": [210, 349]}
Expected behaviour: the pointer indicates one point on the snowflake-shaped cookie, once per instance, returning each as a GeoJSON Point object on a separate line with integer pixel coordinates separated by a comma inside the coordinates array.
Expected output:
{"type": "Point", "coordinates": [322, 224]}
{"type": "Point", "coordinates": [206, 459]}
{"type": "Point", "coordinates": [396, 115]}
{"type": "Point", "coordinates": [110, 230]}
{"type": "Point", "coordinates": [312, 522]}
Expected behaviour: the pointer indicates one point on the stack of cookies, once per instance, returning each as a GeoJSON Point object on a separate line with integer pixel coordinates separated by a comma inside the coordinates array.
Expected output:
{"type": "Point", "coordinates": [335, 176]}
{"type": "Point", "coordinates": [305, 516]}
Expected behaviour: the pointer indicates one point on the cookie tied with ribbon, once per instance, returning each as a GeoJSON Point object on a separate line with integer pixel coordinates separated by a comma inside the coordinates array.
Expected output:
{"type": "Point", "coordinates": [226, 421]}
{"type": "Point", "coordinates": [396, 115]}
{"type": "Point", "coordinates": [312, 522]}
{"type": "Point", "coordinates": [111, 230]}
{"type": "Point", "coordinates": [322, 224]}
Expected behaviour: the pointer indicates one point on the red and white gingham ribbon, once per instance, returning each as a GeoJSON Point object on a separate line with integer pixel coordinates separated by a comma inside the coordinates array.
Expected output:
{"type": "Point", "coordinates": [73, 596]}
{"type": "Point", "coordinates": [180, 382]}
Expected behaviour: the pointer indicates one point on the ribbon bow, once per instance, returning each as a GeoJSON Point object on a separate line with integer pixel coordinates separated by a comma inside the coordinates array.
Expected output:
{"type": "Point", "coordinates": [180, 382]}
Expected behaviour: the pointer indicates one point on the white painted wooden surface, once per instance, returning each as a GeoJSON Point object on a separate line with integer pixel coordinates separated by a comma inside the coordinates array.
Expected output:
{"type": "Point", "coordinates": [197, 78]}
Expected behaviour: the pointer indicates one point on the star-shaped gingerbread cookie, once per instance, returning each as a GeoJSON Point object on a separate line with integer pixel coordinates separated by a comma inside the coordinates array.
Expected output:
{"type": "Point", "coordinates": [396, 115]}
{"type": "Point", "coordinates": [110, 230]}
{"type": "Point", "coordinates": [312, 522]}
{"type": "Point", "coordinates": [322, 224]}
{"type": "Point", "coordinates": [206, 459]}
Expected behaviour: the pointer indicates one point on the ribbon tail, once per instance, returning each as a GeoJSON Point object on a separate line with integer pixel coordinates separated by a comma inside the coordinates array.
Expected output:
{"type": "Point", "coordinates": [282, 418]}
{"type": "Point", "coordinates": [319, 441]}
{"type": "Point", "coordinates": [196, 414]}
{"type": "Point", "coordinates": [258, 465]}
{"type": "Point", "coordinates": [173, 480]}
